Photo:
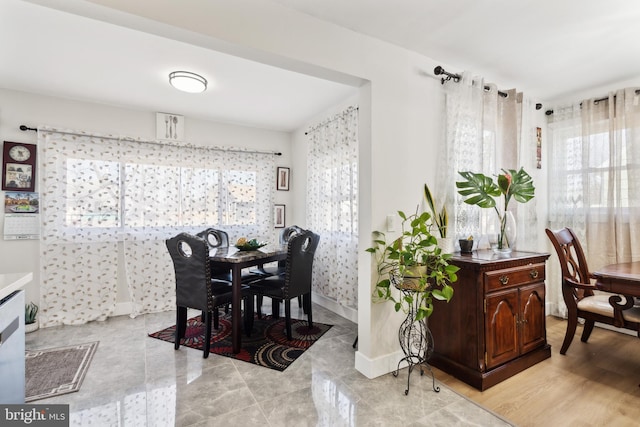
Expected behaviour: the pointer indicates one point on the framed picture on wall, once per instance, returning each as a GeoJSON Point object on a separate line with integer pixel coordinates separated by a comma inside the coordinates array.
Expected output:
{"type": "Point", "coordinates": [278, 216]}
{"type": "Point", "coordinates": [283, 179]}
{"type": "Point", "coordinates": [18, 166]}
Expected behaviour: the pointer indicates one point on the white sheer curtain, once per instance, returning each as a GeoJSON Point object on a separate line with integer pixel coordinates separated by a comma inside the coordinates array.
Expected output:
{"type": "Point", "coordinates": [484, 132]}
{"type": "Point", "coordinates": [332, 206]}
{"type": "Point", "coordinates": [594, 177]}
{"type": "Point", "coordinates": [108, 204]}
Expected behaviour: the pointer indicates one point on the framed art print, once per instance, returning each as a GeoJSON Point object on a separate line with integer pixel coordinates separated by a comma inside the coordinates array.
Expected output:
{"type": "Point", "coordinates": [18, 166]}
{"type": "Point", "coordinates": [278, 216]}
{"type": "Point", "coordinates": [283, 179]}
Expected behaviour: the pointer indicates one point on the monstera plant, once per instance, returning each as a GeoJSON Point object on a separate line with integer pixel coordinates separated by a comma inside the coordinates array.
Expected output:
{"type": "Point", "coordinates": [483, 191]}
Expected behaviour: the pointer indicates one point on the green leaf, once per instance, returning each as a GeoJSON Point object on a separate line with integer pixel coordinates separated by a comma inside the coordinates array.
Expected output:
{"type": "Point", "coordinates": [481, 188]}
{"type": "Point", "coordinates": [522, 187]}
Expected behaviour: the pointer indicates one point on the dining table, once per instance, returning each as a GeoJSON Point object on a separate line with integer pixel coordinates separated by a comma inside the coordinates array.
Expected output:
{"type": "Point", "coordinates": [236, 260]}
{"type": "Point", "coordinates": [622, 279]}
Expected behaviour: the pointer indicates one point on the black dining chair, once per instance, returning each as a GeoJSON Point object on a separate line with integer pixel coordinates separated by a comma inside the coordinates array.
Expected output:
{"type": "Point", "coordinates": [285, 235]}
{"type": "Point", "coordinates": [220, 239]}
{"type": "Point", "coordinates": [197, 290]}
{"type": "Point", "coordinates": [296, 280]}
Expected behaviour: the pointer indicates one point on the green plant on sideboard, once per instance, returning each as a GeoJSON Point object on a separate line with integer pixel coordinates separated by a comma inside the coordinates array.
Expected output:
{"type": "Point", "coordinates": [439, 218]}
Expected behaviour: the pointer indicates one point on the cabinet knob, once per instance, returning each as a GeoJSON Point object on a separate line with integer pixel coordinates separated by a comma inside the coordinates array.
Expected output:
{"type": "Point", "coordinates": [533, 273]}
{"type": "Point", "coordinates": [504, 279]}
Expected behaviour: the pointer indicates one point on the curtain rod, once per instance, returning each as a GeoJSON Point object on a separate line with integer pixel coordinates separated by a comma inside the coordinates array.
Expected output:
{"type": "Point", "coordinates": [334, 118]}
{"type": "Point", "coordinates": [550, 112]}
{"type": "Point", "coordinates": [456, 78]}
{"type": "Point", "coordinates": [275, 153]}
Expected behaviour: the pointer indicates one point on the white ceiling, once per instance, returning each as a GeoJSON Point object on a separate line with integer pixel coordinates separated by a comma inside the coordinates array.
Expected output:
{"type": "Point", "coordinates": [50, 52]}
{"type": "Point", "coordinates": [547, 48]}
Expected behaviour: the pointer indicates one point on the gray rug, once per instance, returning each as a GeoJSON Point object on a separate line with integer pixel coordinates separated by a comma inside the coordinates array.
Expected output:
{"type": "Point", "coordinates": [56, 371]}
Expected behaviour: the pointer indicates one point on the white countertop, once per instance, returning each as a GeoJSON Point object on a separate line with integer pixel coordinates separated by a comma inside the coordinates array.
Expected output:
{"type": "Point", "coordinates": [10, 282]}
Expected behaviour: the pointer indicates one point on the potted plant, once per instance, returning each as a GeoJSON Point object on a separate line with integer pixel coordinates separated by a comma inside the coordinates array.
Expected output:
{"type": "Point", "coordinates": [440, 219]}
{"type": "Point", "coordinates": [30, 320]}
{"type": "Point", "coordinates": [483, 191]}
{"type": "Point", "coordinates": [415, 264]}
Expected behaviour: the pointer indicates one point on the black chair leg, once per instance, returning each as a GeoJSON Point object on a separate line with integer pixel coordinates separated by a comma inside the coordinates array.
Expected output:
{"type": "Point", "coordinates": [216, 318]}
{"type": "Point", "coordinates": [301, 304]}
{"type": "Point", "coordinates": [287, 314]}
{"type": "Point", "coordinates": [275, 308]}
{"type": "Point", "coordinates": [259, 306]}
{"type": "Point", "coordinates": [307, 305]}
{"type": "Point", "coordinates": [181, 325]}
{"type": "Point", "coordinates": [207, 335]}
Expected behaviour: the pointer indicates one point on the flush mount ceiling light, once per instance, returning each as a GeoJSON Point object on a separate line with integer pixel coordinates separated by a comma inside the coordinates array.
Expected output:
{"type": "Point", "coordinates": [187, 81]}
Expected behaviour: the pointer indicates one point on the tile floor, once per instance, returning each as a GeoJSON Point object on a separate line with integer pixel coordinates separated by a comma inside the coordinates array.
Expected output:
{"type": "Point", "coordinates": [138, 381]}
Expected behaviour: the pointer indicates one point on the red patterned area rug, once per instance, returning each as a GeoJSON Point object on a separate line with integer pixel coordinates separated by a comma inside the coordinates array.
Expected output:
{"type": "Point", "coordinates": [267, 346]}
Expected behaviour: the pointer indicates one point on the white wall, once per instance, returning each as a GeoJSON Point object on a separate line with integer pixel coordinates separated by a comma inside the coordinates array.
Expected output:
{"type": "Point", "coordinates": [398, 112]}
{"type": "Point", "coordinates": [17, 108]}
{"type": "Point", "coordinates": [400, 118]}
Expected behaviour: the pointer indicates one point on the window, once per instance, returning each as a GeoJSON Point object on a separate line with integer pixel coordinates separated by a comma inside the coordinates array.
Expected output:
{"type": "Point", "coordinates": [208, 196]}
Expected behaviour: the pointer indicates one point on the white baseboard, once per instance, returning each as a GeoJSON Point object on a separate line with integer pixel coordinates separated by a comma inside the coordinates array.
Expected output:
{"type": "Point", "coordinates": [123, 309]}
{"type": "Point", "coordinates": [340, 310]}
{"type": "Point", "coordinates": [613, 328]}
{"type": "Point", "coordinates": [372, 368]}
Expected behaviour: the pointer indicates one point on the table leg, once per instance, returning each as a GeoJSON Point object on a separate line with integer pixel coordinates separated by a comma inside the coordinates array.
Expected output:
{"type": "Point", "coordinates": [236, 308]}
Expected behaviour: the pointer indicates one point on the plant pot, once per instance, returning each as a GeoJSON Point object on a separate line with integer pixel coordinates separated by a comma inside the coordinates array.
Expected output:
{"type": "Point", "coordinates": [466, 246]}
{"type": "Point", "coordinates": [446, 244]}
{"type": "Point", "coordinates": [411, 280]}
{"type": "Point", "coordinates": [31, 327]}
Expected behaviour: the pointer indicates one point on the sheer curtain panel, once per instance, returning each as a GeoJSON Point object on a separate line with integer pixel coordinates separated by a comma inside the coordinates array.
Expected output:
{"type": "Point", "coordinates": [484, 132]}
{"type": "Point", "coordinates": [594, 176]}
{"type": "Point", "coordinates": [109, 203]}
{"type": "Point", "coordinates": [332, 206]}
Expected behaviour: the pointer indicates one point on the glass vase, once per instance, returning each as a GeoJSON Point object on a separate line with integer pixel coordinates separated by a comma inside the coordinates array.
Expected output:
{"type": "Point", "coordinates": [505, 240]}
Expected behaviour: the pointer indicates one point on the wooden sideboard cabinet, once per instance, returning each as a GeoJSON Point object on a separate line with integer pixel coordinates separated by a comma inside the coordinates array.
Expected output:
{"type": "Point", "coordinates": [494, 327]}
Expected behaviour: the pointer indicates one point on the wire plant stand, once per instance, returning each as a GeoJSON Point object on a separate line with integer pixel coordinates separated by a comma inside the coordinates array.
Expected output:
{"type": "Point", "coordinates": [415, 339]}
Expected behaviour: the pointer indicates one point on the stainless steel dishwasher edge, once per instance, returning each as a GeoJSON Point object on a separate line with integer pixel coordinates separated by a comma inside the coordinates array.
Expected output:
{"type": "Point", "coordinates": [12, 356]}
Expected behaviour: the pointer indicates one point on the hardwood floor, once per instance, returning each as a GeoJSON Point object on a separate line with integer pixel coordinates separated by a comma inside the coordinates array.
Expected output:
{"type": "Point", "coordinates": [595, 384]}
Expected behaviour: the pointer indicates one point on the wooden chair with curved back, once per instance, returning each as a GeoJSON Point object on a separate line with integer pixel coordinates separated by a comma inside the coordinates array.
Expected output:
{"type": "Point", "coordinates": [197, 290]}
{"type": "Point", "coordinates": [578, 292]}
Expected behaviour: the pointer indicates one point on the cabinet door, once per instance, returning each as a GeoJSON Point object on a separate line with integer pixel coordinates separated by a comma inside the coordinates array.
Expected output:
{"type": "Point", "coordinates": [533, 332]}
{"type": "Point", "coordinates": [501, 327]}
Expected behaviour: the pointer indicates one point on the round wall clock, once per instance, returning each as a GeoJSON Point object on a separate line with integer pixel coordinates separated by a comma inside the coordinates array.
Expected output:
{"type": "Point", "coordinates": [19, 153]}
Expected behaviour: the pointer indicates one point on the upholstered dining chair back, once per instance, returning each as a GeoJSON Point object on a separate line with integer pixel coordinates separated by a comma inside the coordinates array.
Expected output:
{"type": "Point", "coordinates": [190, 255]}
{"type": "Point", "coordinates": [195, 288]}
{"type": "Point", "coordinates": [301, 250]}
{"type": "Point", "coordinates": [288, 232]}
{"type": "Point", "coordinates": [215, 238]}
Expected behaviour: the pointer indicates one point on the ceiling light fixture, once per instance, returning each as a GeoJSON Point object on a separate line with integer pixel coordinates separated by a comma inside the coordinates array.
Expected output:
{"type": "Point", "coordinates": [187, 81]}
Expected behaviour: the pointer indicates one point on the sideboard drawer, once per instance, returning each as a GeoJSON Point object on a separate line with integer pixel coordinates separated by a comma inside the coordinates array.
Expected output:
{"type": "Point", "coordinates": [516, 276]}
